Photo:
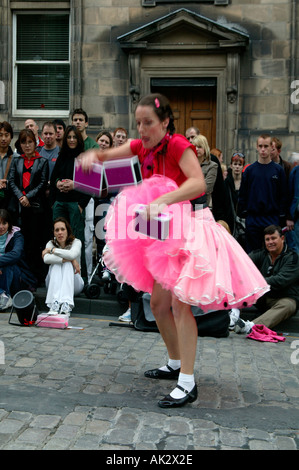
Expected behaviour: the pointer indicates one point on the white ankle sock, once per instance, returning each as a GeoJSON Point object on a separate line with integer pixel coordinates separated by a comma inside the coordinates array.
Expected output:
{"type": "Point", "coordinates": [187, 382]}
{"type": "Point", "coordinates": [173, 363]}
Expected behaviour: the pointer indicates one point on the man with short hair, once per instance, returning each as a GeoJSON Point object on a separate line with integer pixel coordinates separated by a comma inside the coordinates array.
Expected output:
{"type": "Point", "coordinates": [280, 267]}
{"type": "Point", "coordinates": [276, 157]}
{"type": "Point", "coordinates": [31, 124]}
{"type": "Point", "coordinates": [80, 120]}
{"type": "Point", "coordinates": [276, 145]}
{"type": "Point", "coordinates": [6, 156]}
{"type": "Point", "coordinates": [120, 136]}
{"type": "Point", "coordinates": [191, 132]}
{"type": "Point", "coordinates": [60, 129]}
{"type": "Point", "coordinates": [263, 197]}
{"type": "Point", "coordinates": [50, 150]}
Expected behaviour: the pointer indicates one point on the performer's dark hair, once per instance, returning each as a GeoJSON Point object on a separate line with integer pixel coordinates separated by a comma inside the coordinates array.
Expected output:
{"type": "Point", "coordinates": [162, 108]}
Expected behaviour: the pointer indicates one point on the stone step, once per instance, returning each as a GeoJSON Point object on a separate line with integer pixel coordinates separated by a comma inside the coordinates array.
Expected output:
{"type": "Point", "coordinates": [108, 305]}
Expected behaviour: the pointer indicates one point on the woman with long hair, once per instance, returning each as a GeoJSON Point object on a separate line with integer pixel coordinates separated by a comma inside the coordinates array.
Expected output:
{"type": "Point", "coordinates": [198, 264]}
{"type": "Point", "coordinates": [63, 280]}
{"type": "Point", "coordinates": [68, 202]}
{"type": "Point", "coordinates": [209, 168]}
{"type": "Point", "coordinates": [104, 140]}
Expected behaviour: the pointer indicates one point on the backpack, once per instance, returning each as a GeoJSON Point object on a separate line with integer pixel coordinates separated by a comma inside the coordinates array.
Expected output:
{"type": "Point", "coordinates": [214, 324]}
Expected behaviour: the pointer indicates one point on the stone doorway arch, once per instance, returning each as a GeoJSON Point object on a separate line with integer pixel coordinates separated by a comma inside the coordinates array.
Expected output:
{"type": "Point", "coordinates": [185, 45]}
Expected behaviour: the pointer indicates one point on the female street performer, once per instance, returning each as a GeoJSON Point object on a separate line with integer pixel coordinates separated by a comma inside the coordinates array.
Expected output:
{"type": "Point", "coordinates": [198, 264]}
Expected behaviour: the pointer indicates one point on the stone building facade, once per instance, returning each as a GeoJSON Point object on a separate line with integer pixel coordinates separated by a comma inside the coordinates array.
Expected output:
{"type": "Point", "coordinates": [229, 67]}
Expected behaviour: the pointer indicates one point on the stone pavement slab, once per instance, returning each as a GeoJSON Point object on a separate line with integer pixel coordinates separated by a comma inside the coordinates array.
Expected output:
{"type": "Point", "coordinates": [84, 389]}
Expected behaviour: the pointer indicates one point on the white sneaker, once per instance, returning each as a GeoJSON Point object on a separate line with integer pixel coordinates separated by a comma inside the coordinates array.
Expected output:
{"type": "Point", "coordinates": [126, 316]}
{"type": "Point", "coordinates": [66, 309]}
{"type": "Point", "coordinates": [234, 316]}
{"type": "Point", "coordinates": [243, 327]}
{"type": "Point", "coordinates": [54, 310]}
{"type": "Point", "coordinates": [5, 301]}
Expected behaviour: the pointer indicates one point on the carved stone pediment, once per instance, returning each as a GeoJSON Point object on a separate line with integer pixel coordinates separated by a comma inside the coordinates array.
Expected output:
{"type": "Point", "coordinates": [183, 30]}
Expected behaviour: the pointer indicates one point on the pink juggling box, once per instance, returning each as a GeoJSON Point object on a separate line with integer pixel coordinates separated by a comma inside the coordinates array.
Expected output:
{"type": "Point", "coordinates": [108, 177]}
{"type": "Point", "coordinates": [52, 321]}
{"type": "Point", "coordinates": [93, 183]}
{"type": "Point", "coordinates": [157, 227]}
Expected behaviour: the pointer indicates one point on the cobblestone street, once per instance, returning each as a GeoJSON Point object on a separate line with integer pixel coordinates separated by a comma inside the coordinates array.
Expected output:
{"type": "Point", "coordinates": [84, 389]}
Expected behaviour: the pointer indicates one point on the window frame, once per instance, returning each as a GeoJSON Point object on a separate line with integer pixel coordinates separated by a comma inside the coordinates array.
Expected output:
{"type": "Point", "coordinates": [37, 113]}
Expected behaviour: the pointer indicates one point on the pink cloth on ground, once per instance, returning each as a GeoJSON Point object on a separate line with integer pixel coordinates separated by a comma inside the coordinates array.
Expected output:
{"type": "Point", "coordinates": [263, 333]}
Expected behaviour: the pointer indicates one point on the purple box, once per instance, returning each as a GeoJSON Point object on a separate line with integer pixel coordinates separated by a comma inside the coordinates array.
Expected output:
{"type": "Point", "coordinates": [110, 176]}
{"type": "Point", "coordinates": [93, 183]}
{"type": "Point", "coordinates": [157, 227]}
{"type": "Point", "coordinates": [122, 172]}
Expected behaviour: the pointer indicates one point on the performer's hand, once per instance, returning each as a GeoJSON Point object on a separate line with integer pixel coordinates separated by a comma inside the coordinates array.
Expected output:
{"type": "Point", "coordinates": [154, 209]}
{"type": "Point", "coordinates": [87, 159]}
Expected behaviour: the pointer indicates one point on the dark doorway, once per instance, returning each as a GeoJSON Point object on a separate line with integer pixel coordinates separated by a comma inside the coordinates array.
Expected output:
{"type": "Point", "coordinates": [193, 102]}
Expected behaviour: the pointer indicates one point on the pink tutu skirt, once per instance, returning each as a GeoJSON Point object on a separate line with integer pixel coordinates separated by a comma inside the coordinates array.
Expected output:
{"type": "Point", "coordinates": [199, 262]}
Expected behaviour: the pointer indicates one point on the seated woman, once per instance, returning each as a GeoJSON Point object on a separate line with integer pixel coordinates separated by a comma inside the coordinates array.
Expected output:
{"type": "Point", "coordinates": [15, 274]}
{"type": "Point", "coordinates": [63, 280]}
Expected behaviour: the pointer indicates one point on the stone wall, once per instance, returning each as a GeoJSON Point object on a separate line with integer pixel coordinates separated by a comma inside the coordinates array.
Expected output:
{"type": "Point", "coordinates": [268, 67]}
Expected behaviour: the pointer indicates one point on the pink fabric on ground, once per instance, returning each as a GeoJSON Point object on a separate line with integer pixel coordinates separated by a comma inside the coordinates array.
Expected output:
{"type": "Point", "coordinates": [263, 333]}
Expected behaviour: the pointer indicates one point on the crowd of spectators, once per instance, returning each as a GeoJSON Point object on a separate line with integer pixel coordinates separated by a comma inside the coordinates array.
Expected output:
{"type": "Point", "coordinates": [36, 188]}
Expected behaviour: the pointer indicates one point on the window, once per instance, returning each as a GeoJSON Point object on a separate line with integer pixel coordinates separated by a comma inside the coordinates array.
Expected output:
{"type": "Point", "coordinates": [41, 78]}
{"type": "Point", "coordinates": [153, 3]}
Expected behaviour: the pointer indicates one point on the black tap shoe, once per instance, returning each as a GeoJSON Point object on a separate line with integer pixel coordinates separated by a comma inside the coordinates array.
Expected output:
{"type": "Point", "coordinates": [161, 374]}
{"type": "Point", "coordinates": [169, 402]}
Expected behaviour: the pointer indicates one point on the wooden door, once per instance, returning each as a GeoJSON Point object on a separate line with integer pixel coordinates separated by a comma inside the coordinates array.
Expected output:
{"type": "Point", "coordinates": [193, 106]}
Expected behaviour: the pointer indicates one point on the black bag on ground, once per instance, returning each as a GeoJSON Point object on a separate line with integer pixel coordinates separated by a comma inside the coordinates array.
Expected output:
{"type": "Point", "coordinates": [214, 324]}
{"type": "Point", "coordinates": [140, 311]}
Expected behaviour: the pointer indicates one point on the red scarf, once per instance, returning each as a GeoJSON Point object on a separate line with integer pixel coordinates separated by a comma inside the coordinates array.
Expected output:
{"type": "Point", "coordinates": [28, 164]}
{"type": "Point", "coordinates": [150, 162]}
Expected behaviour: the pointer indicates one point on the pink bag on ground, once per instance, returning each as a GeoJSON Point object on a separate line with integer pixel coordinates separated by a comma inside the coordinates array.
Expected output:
{"type": "Point", "coordinates": [52, 321]}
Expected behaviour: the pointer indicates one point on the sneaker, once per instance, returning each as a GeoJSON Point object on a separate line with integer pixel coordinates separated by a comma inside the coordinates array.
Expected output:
{"type": "Point", "coordinates": [5, 301]}
{"type": "Point", "coordinates": [234, 315]}
{"type": "Point", "coordinates": [126, 316]}
{"type": "Point", "coordinates": [243, 327]}
{"type": "Point", "coordinates": [66, 309]}
{"type": "Point", "coordinates": [54, 310]}
{"type": "Point", "coordinates": [106, 276]}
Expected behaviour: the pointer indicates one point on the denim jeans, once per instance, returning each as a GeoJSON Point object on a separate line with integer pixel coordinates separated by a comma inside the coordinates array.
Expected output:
{"type": "Point", "coordinates": [10, 279]}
